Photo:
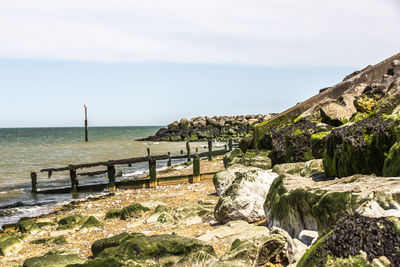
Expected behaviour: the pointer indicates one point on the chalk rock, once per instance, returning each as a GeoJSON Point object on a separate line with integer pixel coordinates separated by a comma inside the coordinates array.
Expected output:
{"type": "Point", "coordinates": [223, 179]}
{"type": "Point", "coordinates": [244, 198]}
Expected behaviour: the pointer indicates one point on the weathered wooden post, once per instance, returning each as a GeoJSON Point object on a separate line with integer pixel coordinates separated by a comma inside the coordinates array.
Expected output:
{"type": "Point", "coordinates": [196, 169]}
{"type": "Point", "coordinates": [111, 176]}
{"type": "Point", "coordinates": [209, 149]}
{"type": "Point", "coordinates": [197, 150]}
{"type": "Point", "coordinates": [230, 144]}
{"type": "Point", "coordinates": [188, 151]}
{"type": "Point", "coordinates": [181, 151]}
{"type": "Point", "coordinates": [148, 152]}
{"type": "Point", "coordinates": [169, 163]}
{"type": "Point", "coordinates": [86, 125]}
{"type": "Point", "coordinates": [74, 181]}
{"type": "Point", "coordinates": [34, 182]}
{"type": "Point", "coordinates": [152, 172]}
{"type": "Point", "coordinates": [226, 147]}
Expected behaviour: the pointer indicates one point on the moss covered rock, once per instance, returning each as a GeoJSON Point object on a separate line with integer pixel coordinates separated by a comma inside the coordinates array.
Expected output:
{"type": "Point", "coordinates": [296, 203]}
{"type": "Point", "coordinates": [254, 159]}
{"type": "Point", "coordinates": [359, 148]}
{"type": "Point", "coordinates": [27, 226]}
{"type": "Point", "coordinates": [71, 222]}
{"type": "Point", "coordinates": [231, 155]}
{"type": "Point", "coordinates": [10, 244]}
{"type": "Point", "coordinates": [113, 214]}
{"type": "Point", "coordinates": [56, 258]}
{"type": "Point", "coordinates": [133, 211]}
{"type": "Point", "coordinates": [137, 247]}
{"type": "Point", "coordinates": [51, 241]}
{"type": "Point", "coordinates": [375, 238]}
{"type": "Point", "coordinates": [166, 218]}
{"type": "Point", "coordinates": [92, 222]}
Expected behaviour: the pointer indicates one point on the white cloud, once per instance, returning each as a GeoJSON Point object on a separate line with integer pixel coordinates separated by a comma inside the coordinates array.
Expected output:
{"type": "Point", "coordinates": [256, 32]}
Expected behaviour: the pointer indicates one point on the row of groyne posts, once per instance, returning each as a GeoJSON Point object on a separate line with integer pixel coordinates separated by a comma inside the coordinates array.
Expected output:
{"type": "Point", "coordinates": [151, 182]}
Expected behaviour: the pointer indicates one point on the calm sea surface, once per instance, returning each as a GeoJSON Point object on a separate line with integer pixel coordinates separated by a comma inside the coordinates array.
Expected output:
{"type": "Point", "coordinates": [23, 150]}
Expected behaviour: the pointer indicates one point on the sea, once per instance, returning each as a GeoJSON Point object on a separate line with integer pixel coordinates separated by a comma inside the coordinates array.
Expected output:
{"type": "Point", "coordinates": [26, 150]}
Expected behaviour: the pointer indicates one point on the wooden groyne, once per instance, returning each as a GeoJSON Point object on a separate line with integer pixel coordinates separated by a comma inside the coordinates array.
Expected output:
{"type": "Point", "coordinates": [151, 181]}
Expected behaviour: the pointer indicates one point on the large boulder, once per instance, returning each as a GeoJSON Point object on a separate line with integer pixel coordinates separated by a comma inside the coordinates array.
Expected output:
{"type": "Point", "coordinates": [357, 241]}
{"type": "Point", "coordinates": [295, 203]}
{"type": "Point", "coordinates": [359, 148]}
{"type": "Point", "coordinates": [138, 248]}
{"type": "Point", "coordinates": [223, 179]}
{"type": "Point", "coordinates": [337, 112]}
{"type": "Point", "coordinates": [244, 198]}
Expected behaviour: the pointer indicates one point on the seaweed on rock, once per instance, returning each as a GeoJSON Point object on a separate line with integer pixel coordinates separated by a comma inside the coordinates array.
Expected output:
{"type": "Point", "coordinates": [359, 147]}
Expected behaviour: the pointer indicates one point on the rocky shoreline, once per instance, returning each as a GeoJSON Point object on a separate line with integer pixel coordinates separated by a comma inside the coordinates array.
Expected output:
{"type": "Point", "coordinates": [320, 189]}
{"type": "Point", "coordinates": [204, 128]}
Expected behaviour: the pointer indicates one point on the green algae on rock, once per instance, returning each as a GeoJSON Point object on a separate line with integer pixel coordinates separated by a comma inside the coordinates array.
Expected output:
{"type": "Point", "coordinates": [56, 258]}
{"type": "Point", "coordinates": [391, 166]}
{"type": "Point", "coordinates": [71, 222]}
{"type": "Point", "coordinates": [228, 157]}
{"type": "Point", "coordinates": [138, 247]}
{"type": "Point", "coordinates": [113, 214]}
{"type": "Point", "coordinates": [27, 226]}
{"type": "Point", "coordinates": [51, 241]}
{"type": "Point", "coordinates": [92, 222]}
{"type": "Point", "coordinates": [359, 148]}
{"type": "Point", "coordinates": [133, 211]}
{"type": "Point", "coordinates": [10, 244]}
{"type": "Point", "coordinates": [296, 203]}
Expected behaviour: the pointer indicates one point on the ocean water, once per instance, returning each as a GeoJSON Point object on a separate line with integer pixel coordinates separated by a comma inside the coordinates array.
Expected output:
{"type": "Point", "coordinates": [23, 150]}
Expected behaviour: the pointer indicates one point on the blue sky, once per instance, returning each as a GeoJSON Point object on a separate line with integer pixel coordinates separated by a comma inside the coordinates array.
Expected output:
{"type": "Point", "coordinates": [152, 62]}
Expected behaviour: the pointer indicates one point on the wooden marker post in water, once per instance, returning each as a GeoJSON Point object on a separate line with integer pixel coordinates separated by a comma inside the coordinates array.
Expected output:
{"type": "Point", "coordinates": [86, 124]}
{"type": "Point", "coordinates": [196, 169]}
{"type": "Point", "coordinates": [111, 176]}
{"type": "Point", "coordinates": [152, 172]}
{"type": "Point", "coordinates": [230, 144]}
{"type": "Point", "coordinates": [34, 182]}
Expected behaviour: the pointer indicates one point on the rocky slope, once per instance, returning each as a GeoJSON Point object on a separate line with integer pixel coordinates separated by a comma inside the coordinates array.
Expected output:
{"type": "Point", "coordinates": [203, 128]}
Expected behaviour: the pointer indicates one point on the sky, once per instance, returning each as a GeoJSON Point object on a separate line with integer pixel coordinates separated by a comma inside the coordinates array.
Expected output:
{"type": "Point", "coordinates": [152, 62]}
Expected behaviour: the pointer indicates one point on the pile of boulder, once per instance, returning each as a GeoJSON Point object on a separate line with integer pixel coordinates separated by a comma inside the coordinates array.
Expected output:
{"type": "Point", "coordinates": [203, 128]}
